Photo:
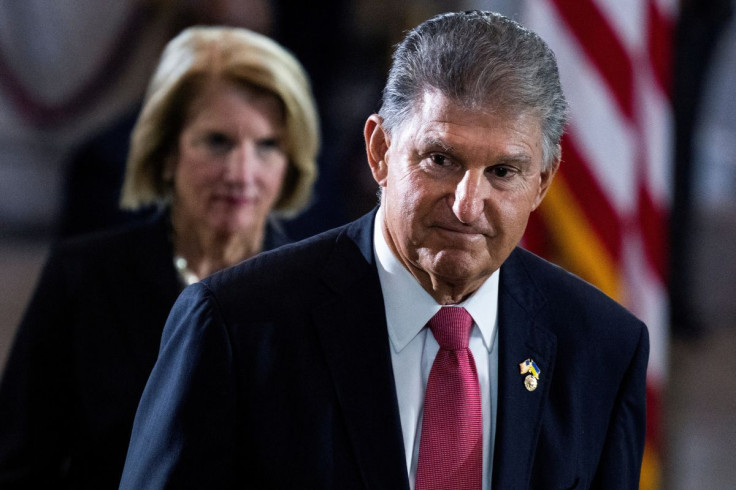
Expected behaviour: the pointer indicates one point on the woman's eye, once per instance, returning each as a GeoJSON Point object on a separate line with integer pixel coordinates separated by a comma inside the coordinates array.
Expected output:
{"type": "Point", "coordinates": [218, 141]}
{"type": "Point", "coordinates": [269, 144]}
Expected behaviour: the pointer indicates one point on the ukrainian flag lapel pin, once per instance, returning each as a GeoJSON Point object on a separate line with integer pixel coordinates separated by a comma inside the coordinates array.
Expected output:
{"type": "Point", "coordinates": [532, 371]}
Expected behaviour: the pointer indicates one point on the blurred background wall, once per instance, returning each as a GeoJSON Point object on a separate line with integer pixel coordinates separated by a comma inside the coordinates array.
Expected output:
{"type": "Point", "coordinates": [73, 72]}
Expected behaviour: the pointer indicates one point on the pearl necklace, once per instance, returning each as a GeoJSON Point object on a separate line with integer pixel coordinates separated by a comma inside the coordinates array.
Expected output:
{"type": "Point", "coordinates": [185, 274]}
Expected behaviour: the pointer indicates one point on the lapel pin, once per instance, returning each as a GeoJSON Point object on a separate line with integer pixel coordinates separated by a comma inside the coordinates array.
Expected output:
{"type": "Point", "coordinates": [532, 371]}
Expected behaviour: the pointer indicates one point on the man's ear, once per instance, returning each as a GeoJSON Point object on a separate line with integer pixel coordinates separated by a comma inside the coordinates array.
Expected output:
{"type": "Point", "coordinates": [546, 177]}
{"type": "Point", "coordinates": [376, 146]}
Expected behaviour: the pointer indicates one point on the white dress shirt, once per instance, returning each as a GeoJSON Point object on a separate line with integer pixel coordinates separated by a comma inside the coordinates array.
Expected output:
{"type": "Point", "coordinates": [413, 348]}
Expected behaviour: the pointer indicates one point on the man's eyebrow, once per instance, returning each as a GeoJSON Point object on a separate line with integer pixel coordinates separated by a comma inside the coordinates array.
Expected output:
{"type": "Point", "coordinates": [434, 142]}
{"type": "Point", "coordinates": [521, 157]}
{"type": "Point", "coordinates": [518, 158]}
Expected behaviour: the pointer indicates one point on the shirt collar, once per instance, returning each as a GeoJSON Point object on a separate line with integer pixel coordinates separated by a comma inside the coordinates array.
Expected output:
{"type": "Point", "coordinates": [409, 307]}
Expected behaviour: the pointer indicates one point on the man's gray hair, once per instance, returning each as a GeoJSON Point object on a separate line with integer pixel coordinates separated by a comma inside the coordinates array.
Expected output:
{"type": "Point", "coordinates": [481, 60]}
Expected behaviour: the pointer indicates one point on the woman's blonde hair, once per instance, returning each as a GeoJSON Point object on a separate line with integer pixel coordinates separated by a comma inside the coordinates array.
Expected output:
{"type": "Point", "coordinates": [201, 54]}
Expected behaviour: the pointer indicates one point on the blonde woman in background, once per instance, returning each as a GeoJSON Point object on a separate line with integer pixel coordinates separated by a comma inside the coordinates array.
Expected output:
{"type": "Point", "coordinates": [225, 145]}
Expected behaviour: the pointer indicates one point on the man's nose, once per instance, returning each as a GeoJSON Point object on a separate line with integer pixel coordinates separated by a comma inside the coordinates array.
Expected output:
{"type": "Point", "coordinates": [470, 195]}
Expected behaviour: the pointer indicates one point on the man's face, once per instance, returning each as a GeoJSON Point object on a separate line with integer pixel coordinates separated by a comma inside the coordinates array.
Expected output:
{"type": "Point", "coordinates": [458, 188]}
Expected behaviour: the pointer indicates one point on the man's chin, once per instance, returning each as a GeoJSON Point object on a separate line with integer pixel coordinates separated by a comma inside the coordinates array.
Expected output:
{"type": "Point", "coordinates": [457, 267]}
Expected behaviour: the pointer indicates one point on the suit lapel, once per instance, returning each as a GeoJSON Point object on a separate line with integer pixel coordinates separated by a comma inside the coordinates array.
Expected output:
{"type": "Point", "coordinates": [352, 330]}
{"type": "Point", "coordinates": [523, 334]}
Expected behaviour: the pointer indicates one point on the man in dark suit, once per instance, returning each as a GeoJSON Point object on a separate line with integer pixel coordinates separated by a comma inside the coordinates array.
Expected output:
{"type": "Point", "coordinates": [417, 347]}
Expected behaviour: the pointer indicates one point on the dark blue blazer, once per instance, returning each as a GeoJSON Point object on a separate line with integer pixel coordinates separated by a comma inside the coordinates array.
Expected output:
{"type": "Point", "coordinates": [82, 354]}
{"type": "Point", "coordinates": [277, 374]}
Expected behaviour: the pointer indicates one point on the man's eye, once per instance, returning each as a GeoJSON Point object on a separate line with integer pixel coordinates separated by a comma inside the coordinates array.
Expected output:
{"type": "Point", "coordinates": [500, 171]}
{"type": "Point", "coordinates": [438, 159]}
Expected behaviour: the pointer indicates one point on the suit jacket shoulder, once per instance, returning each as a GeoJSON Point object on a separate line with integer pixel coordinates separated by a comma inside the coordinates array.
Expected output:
{"type": "Point", "coordinates": [571, 305]}
{"type": "Point", "coordinates": [301, 273]}
{"type": "Point", "coordinates": [287, 358]}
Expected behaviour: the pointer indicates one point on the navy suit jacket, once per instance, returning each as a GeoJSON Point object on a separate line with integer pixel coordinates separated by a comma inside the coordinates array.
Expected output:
{"type": "Point", "coordinates": [277, 374]}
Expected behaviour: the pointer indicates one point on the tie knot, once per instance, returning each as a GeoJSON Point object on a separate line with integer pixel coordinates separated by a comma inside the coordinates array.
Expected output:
{"type": "Point", "coordinates": [451, 327]}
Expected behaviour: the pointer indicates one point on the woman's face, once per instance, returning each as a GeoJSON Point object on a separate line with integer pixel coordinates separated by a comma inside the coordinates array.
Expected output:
{"type": "Point", "coordinates": [230, 160]}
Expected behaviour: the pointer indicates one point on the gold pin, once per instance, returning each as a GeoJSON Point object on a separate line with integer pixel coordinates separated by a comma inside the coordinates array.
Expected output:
{"type": "Point", "coordinates": [531, 381]}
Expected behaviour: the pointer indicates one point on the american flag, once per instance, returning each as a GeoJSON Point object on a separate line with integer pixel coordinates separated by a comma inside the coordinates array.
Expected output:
{"type": "Point", "coordinates": [605, 217]}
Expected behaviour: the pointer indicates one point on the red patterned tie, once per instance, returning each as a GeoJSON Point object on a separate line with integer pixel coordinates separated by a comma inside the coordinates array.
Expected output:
{"type": "Point", "coordinates": [451, 445]}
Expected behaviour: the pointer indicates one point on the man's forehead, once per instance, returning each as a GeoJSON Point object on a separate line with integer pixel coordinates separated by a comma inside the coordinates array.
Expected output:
{"type": "Point", "coordinates": [434, 107]}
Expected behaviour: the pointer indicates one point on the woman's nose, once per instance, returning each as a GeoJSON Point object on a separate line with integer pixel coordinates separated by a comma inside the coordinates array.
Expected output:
{"type": "Point", "coordinates": [240, 167]}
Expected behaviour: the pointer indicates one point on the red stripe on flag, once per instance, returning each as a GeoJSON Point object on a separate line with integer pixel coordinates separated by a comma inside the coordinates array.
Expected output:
{"type": "Point", "coordinates": [591, 198]}
{"type": "Point", "coordinates": [596, 37]}
{"type": "Point", "coordinates": [654, 412]}
{"type": "Point", "coordinates": [654, 232]}
{"type": "Point", "coordinates": [660, 47]}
